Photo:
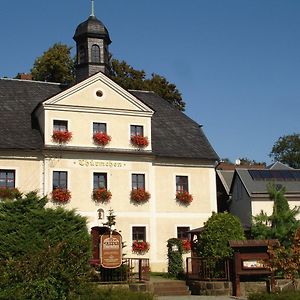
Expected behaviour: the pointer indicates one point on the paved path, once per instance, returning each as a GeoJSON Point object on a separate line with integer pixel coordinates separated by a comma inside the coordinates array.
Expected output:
{"type": "Point", "coordinates": [198, 298]}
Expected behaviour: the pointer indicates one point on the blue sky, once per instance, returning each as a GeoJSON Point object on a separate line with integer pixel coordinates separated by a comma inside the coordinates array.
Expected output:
{"type": "Point", "coordinates": [236, 62]}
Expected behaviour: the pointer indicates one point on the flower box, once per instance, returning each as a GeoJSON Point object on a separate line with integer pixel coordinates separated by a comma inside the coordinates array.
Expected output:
{"type": "Point", "coordinates": [101, 138]}
{"type": "Point", "coordinates": [61, 195]}
{"type": "Point", "coordinates": [184, 197]}
{"type": "Point", "coordinates": [139, 196]}
{"type": "Point", "coordinates": [140, 247]}
{"type": "Point", "coordinates": [186, 246]}
{"type": "Point", "coordinates": [139, 141]}
{"type": "Point", "coordinates": [9, 193]}
{"type": "Point", "coordinates": [61, 137]}
{"type": "Point", "coordinates": [101, 195]}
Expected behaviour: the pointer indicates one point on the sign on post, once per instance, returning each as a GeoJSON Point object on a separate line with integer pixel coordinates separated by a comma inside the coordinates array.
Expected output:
{"type": "Point", "coordinates": [111, 250]}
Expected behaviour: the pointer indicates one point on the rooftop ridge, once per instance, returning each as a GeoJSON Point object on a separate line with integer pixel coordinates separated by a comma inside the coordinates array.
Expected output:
{"type": "Point", "coordinates": [35, 81]}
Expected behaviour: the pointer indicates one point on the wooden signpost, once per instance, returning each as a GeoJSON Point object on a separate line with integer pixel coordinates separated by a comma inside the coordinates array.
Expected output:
{"type": "Point", "coordinates": [111, 250]}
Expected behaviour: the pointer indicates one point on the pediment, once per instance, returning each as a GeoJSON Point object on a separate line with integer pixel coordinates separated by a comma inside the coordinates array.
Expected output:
{"type": "Point", "coordinates": [98, 92]}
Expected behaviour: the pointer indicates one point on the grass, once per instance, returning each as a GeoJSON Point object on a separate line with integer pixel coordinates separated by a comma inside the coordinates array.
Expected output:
{"type": "Point", "coordinates": [290, 295]}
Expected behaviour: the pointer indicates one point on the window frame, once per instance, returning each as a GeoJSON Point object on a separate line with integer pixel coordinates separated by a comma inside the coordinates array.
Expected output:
{"type": "Point", "coordinates": [60, 125]}
{"type": "Point", "coordinates": [95, 54]}
{"type": "Point", "coordinates": [99, 124]}
{"type": "Point", "coordinates": [138, 180]}
{"type": "Point", "coordinates": [180, 185]}
{"type": "Point", "coordinates": [7, 179]}
{"type": "Point", "coordinates": [98, 174]}
{"type": "Point", "coordinates": [182, 235]}
{"type": "Point", "coordinates": [136, 130]}
{"type": "Point", "coordinates": [60, 180]}
{"type": "Point", "coordinates": [135, 235]}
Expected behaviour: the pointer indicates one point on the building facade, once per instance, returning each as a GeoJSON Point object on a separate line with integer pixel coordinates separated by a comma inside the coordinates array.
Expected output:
{"type": "Point", "coordinates": [95, 147]}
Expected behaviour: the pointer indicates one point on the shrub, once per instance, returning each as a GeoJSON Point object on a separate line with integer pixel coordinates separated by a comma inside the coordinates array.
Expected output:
{"type": "Point", "coordinates": [175, 261]}
{"type": "Point", "coordinates": [218, 230]}
{"type": "Point", "coordinates": [291, 295]}
{"type": "Point", "coordinates": [44, 253]}
{"type": "Point", "coordinates": [10, 193]}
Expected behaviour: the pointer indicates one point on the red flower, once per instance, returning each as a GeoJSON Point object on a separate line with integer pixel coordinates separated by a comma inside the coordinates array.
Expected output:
{"type": "Point", "coordinates": [140, 247]}
{"type": "Point", "coordinates": [184, 197]}
{"type": "Point", "coordinates": [61, 137]}
{"type": "Point", "coordinates": [101, 195]}
{"type": "Point", "coordinates": [139, 141]}
{"type": "Point", "coordinates": [186, 246]}
{"type": "Point", "coordinates": [139, 195]}
{"type": "Point", "coordinates": [101, 138]}
{"type": "Point", "coordinates": [61, 195]}
{"type": "Point", "coordinates": [9, 193]}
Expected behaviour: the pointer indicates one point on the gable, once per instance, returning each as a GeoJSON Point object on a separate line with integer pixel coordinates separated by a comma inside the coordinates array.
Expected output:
{"type": "Point", "coordinates": [100, 93]}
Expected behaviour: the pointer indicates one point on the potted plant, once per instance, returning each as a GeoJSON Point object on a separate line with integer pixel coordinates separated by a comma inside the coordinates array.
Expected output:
{"type": "Point", "coordinates": [61, 137]}
{"type": "Point", "coordinates": [60, 195]}
{"type": "Point", "coordinates": [186, 246]}
{"type": "Point", "coordinates": [9, 193]}
{"type": "Point", "coordinates": [139, 141]}
{"type": "Point", "coordinates": [101, 195]}
{"type": "Point", "coordinates": [139, 196]}
{"type": "Point", "coordinates": [101, 138]}
{"type": "Point", "coordinates": [184, 197]}
{"type": "Point", "coordinates": [140, 247]}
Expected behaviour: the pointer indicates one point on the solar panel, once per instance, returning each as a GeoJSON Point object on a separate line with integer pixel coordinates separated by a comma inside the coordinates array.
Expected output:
{"type": "Point", "coordinates": [277, 175]}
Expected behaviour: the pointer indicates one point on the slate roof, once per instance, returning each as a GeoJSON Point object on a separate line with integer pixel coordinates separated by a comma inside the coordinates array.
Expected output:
{"type": "Point", "coordinates": [173, 133]}
{"type": "Point", "coordinates": [18, 98]}
{"type": "Point", "coordinates": [226, 177]}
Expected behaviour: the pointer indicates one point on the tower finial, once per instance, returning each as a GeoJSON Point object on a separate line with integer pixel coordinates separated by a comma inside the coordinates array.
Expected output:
{"type": "Point", "coordinates": [93, 9]}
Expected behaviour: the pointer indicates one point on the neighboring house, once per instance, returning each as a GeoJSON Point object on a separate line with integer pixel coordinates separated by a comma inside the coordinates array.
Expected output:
{"type": "Point", "coordinates": [172, 153]}
{"type": "Point", "coordinates": [249, 193]}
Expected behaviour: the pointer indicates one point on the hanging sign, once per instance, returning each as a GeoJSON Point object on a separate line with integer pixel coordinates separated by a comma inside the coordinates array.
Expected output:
{"type": "Point", "coordinates": [111, 250]}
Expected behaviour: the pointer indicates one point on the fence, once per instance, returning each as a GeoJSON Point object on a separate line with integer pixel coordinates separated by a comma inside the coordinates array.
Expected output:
{"type": "Point", "coordinates": [132, 270]}
{"type": "Point", "coordinates": [204, 269]}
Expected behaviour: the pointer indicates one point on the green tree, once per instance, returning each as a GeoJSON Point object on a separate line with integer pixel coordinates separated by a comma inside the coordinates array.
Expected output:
{"type": "Point", "coordinates": [44, 253]}
{"type": "Point", "coordinates": [282, 224]}
{"type": "Point", "coordinates": [129, 78]}
{"type": "Point", "coordinates": [218, 230]}
{"type": "Point", "coordinates": [287, 150]}
{"type": "Point", "coordinates": [55, 65]}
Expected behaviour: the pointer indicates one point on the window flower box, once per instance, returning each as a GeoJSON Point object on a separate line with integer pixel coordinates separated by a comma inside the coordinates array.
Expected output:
{"type": "Point", "coordinates": [61, 195]}
{"type": "Point", "coordinates": [101, 138]}
{"type": "Point", "coordinates": [61, 137]}
{"type": "Point", "coordinates": [186, 246]}
{"type": "Point", "coordinates": [9, 193]}
{"type": "Point", "coordinates": [140, 247]}
{"type": "Point", "coordinates": [139, 141]}
{"type": "Point", "coordinates": [139, 196]}
{"type": "Point", "coordinates": [184, 197]}
{"type": "Point", "coordinates": [101, 195]}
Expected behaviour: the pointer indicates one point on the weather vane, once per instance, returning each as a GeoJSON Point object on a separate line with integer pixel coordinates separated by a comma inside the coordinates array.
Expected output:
{"type": "Point", "coordinates": [93, 8]}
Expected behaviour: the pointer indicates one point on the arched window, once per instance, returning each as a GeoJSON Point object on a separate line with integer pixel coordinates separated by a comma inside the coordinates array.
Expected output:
{"type": "Point", "coordinates": [82, 55]}
{"type": "Point", "coordinates": [95, 54]}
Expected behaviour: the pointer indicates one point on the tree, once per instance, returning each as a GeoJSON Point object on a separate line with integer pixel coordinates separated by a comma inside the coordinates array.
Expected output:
{"type": "Point", "coordinates": [218, 230]}
{"type": "Point", "coordinates": [55, 65]}
{"type": "Point", "coordinates": [129, 78]}
{"type": "Point", "coordinates": [44, 253]}
{"type": "Point", "coordinates": [287, 150]}
{"type": "Point", "coordinates": [282, 224]}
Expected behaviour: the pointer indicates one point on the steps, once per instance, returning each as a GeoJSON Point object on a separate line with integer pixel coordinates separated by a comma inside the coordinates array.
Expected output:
{"type": "Point", "coordinates": [170, 288]}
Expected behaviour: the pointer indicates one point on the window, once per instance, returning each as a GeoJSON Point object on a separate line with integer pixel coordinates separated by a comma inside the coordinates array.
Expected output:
{"type": "Point", "coordinates": [100, 180]}
{"type": "Point", "coordinates": [59, 125]}
{"type": "Point", "coordinates": [7, 178]}
{"type": "Point", "coordinates": [60, 180]}
{"type": "Point", "coordinates": [138, 181]}
{"type": "Point", "coordinates": [99, 127]}
{"type": "Point", "coordinates": [95, 54]}
{"type": "Point", "coordinates": [139, 233]}
{"type": "Point", "coordinates": [136, 130]}
{"type": "Point", "coordinates": [182, 184]}
{"type": "Point", "coordinates": [182, 233]}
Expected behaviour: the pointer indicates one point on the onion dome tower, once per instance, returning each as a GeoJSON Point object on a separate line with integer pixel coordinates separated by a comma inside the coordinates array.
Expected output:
{"type": "Point", "coordinates": [92, 40]}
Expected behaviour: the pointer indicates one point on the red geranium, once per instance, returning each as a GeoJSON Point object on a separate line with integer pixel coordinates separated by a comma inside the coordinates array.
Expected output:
{"type": "Point", "coordinates": [61, 195]}
{"type": "Point", "coordinates": [184, 197]}
{"type": "Point", "coordinates": [140, 247]}
{"type": "Point", "coordinates": [101, 195]}
{"type": "Point", "coordinates": [101, 138]}
{"type": "Point", "coordinates": [61, 137]}
{"type": "Point", "coordinates": [139, 195]}
{"type": "Point", "coordinates": [9, 193]}
{"type": "Point", "coordinates": [186, 245]}
{"type": "Point", "coordinates": [139, 141]}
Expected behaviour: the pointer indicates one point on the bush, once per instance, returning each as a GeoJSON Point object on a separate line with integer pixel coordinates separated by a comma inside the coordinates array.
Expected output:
{"type": "Point", "coordinates": [281, 296]}
{"type": "Point", "coordinates": [218, 230]}
{"type": "Point", "coordinates": [44, 253]}
{"type": "Point", "coordinates": [175, 267]}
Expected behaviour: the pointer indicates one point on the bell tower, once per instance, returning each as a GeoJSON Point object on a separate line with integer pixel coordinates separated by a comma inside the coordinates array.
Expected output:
{"type": "Point", "coordinates": [92, 41]}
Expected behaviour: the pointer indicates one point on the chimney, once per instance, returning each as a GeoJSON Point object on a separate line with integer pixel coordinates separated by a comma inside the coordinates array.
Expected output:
{"type": "Point", "coordinates": [24, 76]}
